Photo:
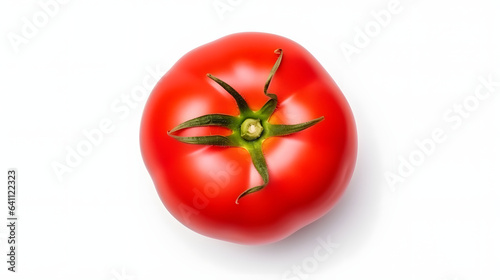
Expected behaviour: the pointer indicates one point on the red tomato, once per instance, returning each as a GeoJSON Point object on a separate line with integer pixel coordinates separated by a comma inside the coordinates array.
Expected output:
{"type": "Point", "coordinates": [206, 187]}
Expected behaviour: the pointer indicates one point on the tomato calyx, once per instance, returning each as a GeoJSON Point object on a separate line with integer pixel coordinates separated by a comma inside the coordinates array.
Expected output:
{"type": "Point", "coordinates": [249, 129]}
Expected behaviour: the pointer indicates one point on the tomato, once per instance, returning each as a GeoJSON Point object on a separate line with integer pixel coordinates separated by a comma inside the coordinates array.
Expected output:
{"type": "Point", "coordinates": [248, 139]}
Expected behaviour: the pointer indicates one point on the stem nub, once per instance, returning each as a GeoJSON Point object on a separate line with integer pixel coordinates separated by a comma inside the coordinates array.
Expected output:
{"type": "Point", "coordinates": [251, 129]}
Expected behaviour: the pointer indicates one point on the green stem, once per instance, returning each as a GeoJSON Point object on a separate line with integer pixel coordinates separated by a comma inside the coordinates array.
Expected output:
{"type": "Point", "coordinates": [207, 120]}
{"type": "Point", "coordinates": [240, 101]}
{"type": "Point", "coordinates": [213, 140]}
{"type": "Point", "coordinates": [268, 109]}
{"type": "Point", "coordinates": [260, 164]}
{"type": "Point", "coordinates": [271, 74]}
{"type": "Point", "coordinates": [253, 127]}
{"type": "Point", "coordinates": [286, 129]}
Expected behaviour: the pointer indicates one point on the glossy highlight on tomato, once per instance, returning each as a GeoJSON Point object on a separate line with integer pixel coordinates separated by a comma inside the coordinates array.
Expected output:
{"type": "Point", "coordinates": [248, 139]}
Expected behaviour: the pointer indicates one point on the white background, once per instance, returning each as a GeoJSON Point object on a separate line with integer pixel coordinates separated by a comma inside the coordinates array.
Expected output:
{"type": "Point", "coordinates": [104, 220]}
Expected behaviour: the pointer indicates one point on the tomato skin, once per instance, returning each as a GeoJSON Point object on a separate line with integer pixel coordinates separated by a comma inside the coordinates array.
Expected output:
{"type": "Point", "coordinates": [308, 170]}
